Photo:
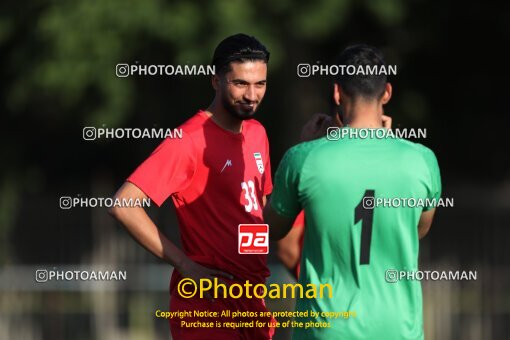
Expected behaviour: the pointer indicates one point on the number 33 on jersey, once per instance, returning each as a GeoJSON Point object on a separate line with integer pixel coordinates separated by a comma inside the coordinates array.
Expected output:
{"type": "Point", "coordinates": [248, 187]}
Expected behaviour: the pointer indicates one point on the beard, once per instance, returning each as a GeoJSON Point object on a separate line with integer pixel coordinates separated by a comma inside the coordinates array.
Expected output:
{"type": "Point", "coordinates": [236, 111]}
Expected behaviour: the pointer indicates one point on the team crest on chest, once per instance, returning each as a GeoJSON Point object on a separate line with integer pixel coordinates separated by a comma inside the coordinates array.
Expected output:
{"type": "Point", "coordinates": [260, 163]}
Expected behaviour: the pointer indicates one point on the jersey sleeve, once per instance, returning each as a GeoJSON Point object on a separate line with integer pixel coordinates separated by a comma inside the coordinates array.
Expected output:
{"type": "Point", "coordinates": [268, 180]}
{"type": "Point", "coordinates": [285, 199]}
{"type": "Point", "coordinates": [434, 192]}
{"type": "Point", "coordinates": [299, 222]}
{"type": "Point", "coordinates": [169, 169]}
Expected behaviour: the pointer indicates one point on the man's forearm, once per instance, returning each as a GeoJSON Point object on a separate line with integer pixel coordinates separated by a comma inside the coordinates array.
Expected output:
{"type": "Point", "coordinates": [425, 222]}
{"type": "Point", "coordinates": [144, 231]}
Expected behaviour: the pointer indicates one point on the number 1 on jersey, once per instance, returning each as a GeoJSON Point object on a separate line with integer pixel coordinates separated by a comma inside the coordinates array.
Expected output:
{"type": "Point", "coordinates": [366, 216]}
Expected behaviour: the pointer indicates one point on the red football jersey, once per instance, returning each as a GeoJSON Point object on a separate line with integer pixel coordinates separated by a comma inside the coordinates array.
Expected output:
{"type": "Point", "coordinates": [217, 179]}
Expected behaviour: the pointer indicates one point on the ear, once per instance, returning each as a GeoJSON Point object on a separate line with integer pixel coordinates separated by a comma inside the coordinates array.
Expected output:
{"type": "Point", "coordinates": [215, 81]}
{"type": "Point", "coordinates": [336, 93]}
{"type": "Point", "coordinates": [387, 94]}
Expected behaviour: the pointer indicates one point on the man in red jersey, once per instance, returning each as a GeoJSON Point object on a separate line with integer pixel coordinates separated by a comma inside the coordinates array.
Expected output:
{"type": "Point", "coordinates": [218, 176]}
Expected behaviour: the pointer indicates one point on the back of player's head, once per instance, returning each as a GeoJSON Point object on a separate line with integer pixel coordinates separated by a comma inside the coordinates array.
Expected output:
{"type": "Point", "coordinates": [364, 86]}
{"type": "Point", "coordinates": [238, 48]}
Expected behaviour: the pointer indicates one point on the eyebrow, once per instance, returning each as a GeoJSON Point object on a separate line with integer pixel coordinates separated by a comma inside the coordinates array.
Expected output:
{"type": "Point", "coordinates": [245, 82]}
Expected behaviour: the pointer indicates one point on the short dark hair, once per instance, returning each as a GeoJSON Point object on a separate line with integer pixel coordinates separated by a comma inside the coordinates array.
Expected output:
{"type": "Point", "coordinates": [238, 47]}
{"type": "Point", "coordinates": [365, 86]}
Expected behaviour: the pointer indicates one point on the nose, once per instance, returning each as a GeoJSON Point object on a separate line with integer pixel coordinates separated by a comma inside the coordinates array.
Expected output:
{"type": "Point", "coordinates": [250, 94]}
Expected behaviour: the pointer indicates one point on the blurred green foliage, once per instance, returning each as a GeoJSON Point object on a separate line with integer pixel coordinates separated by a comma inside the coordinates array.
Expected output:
{"type": "Point", "coordinates": [67, 54]}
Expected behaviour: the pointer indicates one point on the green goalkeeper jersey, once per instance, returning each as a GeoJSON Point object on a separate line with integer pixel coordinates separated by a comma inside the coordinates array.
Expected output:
{"type": "Point", "coordinates": [362, 199]}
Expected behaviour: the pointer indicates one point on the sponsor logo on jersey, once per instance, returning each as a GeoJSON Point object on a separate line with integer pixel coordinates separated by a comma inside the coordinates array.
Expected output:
{"type": "Point", "coordinates": [253, 239]}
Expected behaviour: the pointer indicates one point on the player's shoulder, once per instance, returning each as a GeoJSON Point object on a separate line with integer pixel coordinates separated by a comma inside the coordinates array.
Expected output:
{"type": "Point", "coordinates": [299, 152]}
{"type": "Point", "coordinates": [417, 150]}
{"type": "Point", "coordinates": [189, 132]}
{"type": "Point", "coordinates": [254, 125]}
{"type": "Point", "coordinates": [305, 147]}
{"type": "Point", "coordinates": [194, 124]}
{"type": "Point", "coordinates": [414, 146]}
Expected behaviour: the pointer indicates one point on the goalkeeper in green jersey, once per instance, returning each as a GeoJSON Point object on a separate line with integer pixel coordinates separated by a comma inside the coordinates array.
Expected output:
{"type": "Point", "coordinates": [351, 241]}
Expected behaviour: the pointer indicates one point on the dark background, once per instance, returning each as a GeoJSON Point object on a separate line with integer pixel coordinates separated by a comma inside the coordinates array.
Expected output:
{"type": "Point", "coordinates": [58, 75]}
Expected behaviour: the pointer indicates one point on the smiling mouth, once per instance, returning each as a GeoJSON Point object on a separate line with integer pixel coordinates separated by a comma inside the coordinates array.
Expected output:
{"type": "Point", "coordinates": [247, 107]}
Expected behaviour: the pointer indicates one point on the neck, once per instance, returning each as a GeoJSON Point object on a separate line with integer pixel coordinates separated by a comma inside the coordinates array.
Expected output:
{"type": "Point", "coordinates": [363, 114]}
{"type": "Point", "coordinates": [224, 119]}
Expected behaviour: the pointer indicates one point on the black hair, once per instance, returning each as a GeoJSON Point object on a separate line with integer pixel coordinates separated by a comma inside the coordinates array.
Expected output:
{"type": "Point", "coordinates": [239, 47]}
{"type": "Point", "coordinates": [365, 86]}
